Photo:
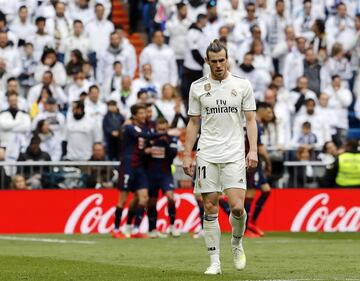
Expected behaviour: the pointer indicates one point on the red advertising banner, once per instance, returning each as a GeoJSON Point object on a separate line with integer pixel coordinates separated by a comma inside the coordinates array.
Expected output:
{"type": "Point", "coordinates": [92, 211]}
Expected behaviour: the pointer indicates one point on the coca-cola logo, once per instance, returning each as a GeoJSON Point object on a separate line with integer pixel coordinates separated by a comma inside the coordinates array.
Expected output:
{"type": "Point", "coordinates": [316, 215]}
{"type": "Point", "coordinates": [89, 215]}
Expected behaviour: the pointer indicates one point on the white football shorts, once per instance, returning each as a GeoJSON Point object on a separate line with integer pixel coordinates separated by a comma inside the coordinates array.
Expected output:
{"type": "Point", "coordinates": [215, 177]}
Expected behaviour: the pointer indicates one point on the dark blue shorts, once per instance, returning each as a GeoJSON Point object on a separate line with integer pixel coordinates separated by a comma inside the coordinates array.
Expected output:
{"type": "Point", "coordinates": [257, 178]}
{"type": "Point", "coordinates": [133, 180]}
{"type": "Point", "coordinates": [164, 182]}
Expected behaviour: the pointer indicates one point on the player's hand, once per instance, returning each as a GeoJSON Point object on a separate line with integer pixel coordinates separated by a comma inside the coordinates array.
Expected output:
{"type": "Point", "coordinates": [188, 165]}
{"type": "Point", "coordinates": [251, 160]}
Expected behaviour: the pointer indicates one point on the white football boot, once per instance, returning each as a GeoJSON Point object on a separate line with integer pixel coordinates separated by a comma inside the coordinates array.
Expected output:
{"type": "Point", "coordinates": [213, 269]}
{"type": "Point", "coordinates": [239, 256]}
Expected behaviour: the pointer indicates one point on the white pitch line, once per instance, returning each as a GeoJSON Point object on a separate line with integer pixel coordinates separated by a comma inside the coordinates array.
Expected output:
{"type": "Point", "coordinates": [45, 240]}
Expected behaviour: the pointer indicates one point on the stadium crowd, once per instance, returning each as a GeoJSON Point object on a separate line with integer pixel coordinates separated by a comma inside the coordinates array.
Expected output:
{"type": "Point", "coordinates": [68, 76]}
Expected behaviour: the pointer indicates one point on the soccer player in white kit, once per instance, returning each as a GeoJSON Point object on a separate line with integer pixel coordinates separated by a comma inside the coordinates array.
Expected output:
{"type": "Point", "coordinates": [222, 103]}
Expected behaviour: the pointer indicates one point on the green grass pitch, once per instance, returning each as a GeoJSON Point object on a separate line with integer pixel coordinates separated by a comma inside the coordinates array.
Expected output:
{"type": "Point", "coordinates": [277, 256]}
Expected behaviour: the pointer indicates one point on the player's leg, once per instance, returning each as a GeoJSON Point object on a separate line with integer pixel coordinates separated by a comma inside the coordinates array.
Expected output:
{"type": "Point", "coordinates": [143, 196]}
{"type": "Point", "coordinates": [131, 215]}
{"type": "Point", "coordinates": [233, 180]}
{"type": "Point", "coordinates": [207, 184]}
{"type": "Point", "coordinates": [200, 204]}
{"type": "Point", "coordinates": [172, 213]}
{"type": "Point", "coordinates": [212, 232]}
{"type": "Point", "coordinates": [167, 185]}
{"type": "Point", "coordinates": [237, 220]}
{"type": "Point", "coordinates": [223, 203]}
{"type": "Point", "coordinates": [151, 211]}
{"type": "Point", "coordinates": [249, 198]}
{"type": "Point", "coordinates": [260, 202]}
{"type": "Point", "coordinates": [118, 214]}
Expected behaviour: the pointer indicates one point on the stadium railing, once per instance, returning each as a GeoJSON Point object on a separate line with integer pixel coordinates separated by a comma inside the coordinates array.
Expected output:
{"type": "Point", "coordinates": [99, 174]}
{"type": "Point", "coordinates": [63, 174]}
{"type": "Point", "coordinates": [303, 174]}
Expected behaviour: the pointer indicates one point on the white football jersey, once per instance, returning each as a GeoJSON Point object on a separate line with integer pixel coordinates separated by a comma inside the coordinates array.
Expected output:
{"type": "Point", "coordinates": [221, 105]}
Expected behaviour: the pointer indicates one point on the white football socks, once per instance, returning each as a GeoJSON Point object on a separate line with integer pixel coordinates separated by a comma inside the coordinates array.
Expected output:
{"type": "Point", "coordinates": [212, 237]}
{"type": "Point", "coordinates": [238, 227]}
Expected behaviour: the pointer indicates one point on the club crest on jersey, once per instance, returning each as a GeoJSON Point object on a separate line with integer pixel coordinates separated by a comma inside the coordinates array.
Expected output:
{"type": "Point", "coordinates": [233, 92]}
{"type": "Point", "coordinates": [207, 87]}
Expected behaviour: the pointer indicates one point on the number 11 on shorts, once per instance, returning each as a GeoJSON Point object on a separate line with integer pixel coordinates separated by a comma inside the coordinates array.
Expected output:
{"type": "Point", "coordinates": [203, 170]}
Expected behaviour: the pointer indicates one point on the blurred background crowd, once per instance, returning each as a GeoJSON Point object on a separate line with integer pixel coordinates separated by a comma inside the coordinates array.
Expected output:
{"type": "Point", "coordinates": [70, 71]}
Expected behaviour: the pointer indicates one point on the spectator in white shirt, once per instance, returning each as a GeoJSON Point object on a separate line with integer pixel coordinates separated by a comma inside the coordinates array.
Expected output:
{"type": "Point", "coordinates": [12, 87]}
{"type": "Point", "coordinates": [284, 47]}
{"type": "Point", "coordinates": [283, 95]}
{"type": "Point", "coordinates": [196, 44]}
{"type": "Point", "coordinates": [77, 40]}
{"type": "Point", "coordinates": [124, 98]}
{"type": "Point", "coordinates": [55, 119]}
{"type": "Point", "coordinates": [242, 28]}
{"type": "Point", "coordinates": [162, 59]}
{"type": "Point", "coordinates": [146, 82]}
{"type": "Point", "coordinates": [60, 26]}
{"type": "Point", "coordinates": [10, 55]}
{"type": "Point", "coordinates": [259, 79]}
{"type": "Point", "coordinates": [94, 107]}
{"type": "Point", "coordinates": [318, 125]}
{"type": "Point", "coordinates": [246, 45]}
{"type": "Point", "coordinates": [277, 24]}
{"type": "Point", "coordinates": [327, 112]}
{"type": "Point", "coordinates": [340, 28]}
{"type": "Point", "coordinates": [168, 103]}
{"type": "Point", "coordinates": [40, 39]}
{"type": "Point", "coordinates": [50, 143]}
{"type": "Point", "coordinates": [304, 22]}
{"type": "Point", "coordinates": [301, 93]}
{"type": "Point", "coordinates": [81, 10]}
{"type": "Point", "coordinates": [49, 63]}
{"type": "Point", "coordinates": [118, 50]}
{"type": "Point", "coordinates": [294, 64]}
{"type": "Point", "coordinates": [28, 67]}
{"type": "Point", "coordinates": [98, 31]}
{"type": "Point", "coordinates": [81, 134]}
{"type": "Point", "coordinates": [22, 26]}
{"type": "Point", "coordinates": [177, 28]}
{"type": "Point", "coordinates": [214, 23]}
{"type": "Point", "coordinates": [113, 82]}
{"type": "Point", "coordinates": [262, 61]}
{"type": "Point", "coordinates": [230, 11]}
{"type": "Point", "coordinates": [337, 64]}
{"type": "Point", "coordinates": [79, 85]}
{"type": "Point", "coordinates": [13, 121]}
{"type": "Point", "coordinates": [281, 118]}
{"type": "Point", "coordinates": [340, 99]}
{"type": "Point", "coordinates": [47, 81]}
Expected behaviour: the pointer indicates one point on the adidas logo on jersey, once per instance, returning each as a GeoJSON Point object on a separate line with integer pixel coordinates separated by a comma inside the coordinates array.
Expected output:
{"type": "Point", "coordinates": [241, 181]}
{"type": "Point", "coordinates": [208, 94]}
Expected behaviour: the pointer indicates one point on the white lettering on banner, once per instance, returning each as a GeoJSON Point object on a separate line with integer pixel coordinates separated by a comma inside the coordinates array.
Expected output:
{"type": "Point", "coordinates": [98, 220]}
{"type": "Point", "coordinates": [322, 219]}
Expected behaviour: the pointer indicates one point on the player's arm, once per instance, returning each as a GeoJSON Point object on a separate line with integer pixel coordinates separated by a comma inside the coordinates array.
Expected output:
{"type": "Point", "coordinates": [146, 135]}
{"type": "Point", "coordinates": [251, 129]}
{"type": "Point", "coordinates": [192, 130]}
{"type": "Point", "coordinates": [265, 155]}
{"type": "Point", "coordinates": [171, 148]}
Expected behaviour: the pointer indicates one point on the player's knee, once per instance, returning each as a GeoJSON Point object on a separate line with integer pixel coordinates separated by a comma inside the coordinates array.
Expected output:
{"type": "Point", "coordinates": [237, 209]}
{"type": "Point", "coordinates": [210, 207]}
